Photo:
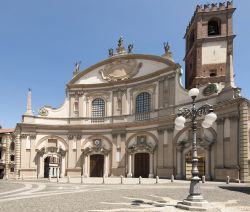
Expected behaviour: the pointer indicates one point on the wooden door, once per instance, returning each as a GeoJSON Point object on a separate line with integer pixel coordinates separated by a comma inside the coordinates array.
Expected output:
{"type": "Point", "coordinates": [96, 165]}
{"type": "Point", "coordinates": [141, 165]}
{"type": "Point", "coordinates": [46, 167]}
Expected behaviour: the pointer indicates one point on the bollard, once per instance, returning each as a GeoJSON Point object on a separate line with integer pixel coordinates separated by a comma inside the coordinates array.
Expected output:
{"type": "Point", "coordinates": [68, 179]}
{"type": "Point", "coordinates": [121, 179]}
{"type": "Point", "coordinates": [157, 179]}
{"type": "Point", "coordinates": [103, 179]}
{"type": "Point", "coordinates": [140, 179]}
{"type": "Point", "coordinates": [203, 179]}
{"type": "Point", "coordinates": [82, 179]}
{"type": "Point", "coordinates": [6, 177]}
{"type": "Point", "coordinates": [172, 178]}
{"type": "Point", "coordinates": [57, 178]}
{"type": "Point", "coordinates": [49, 178]}
{"type": "Point", "coordinates": [22, 176]}
{"type": "Point", "coordinates": [228, 180]}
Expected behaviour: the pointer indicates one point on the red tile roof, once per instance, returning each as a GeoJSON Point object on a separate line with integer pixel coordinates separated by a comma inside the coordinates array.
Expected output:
{"type": "Point", "coordinates": [6, 130]}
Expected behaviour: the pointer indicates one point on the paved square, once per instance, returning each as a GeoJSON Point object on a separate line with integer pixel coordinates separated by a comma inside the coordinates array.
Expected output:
{"type": "Point", "coordinates": [95, 196]}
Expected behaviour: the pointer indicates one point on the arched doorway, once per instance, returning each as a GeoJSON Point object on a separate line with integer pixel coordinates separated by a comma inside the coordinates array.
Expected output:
{"type": "Point", "coordinates": [201, 163]}
{"type": "Point", "coordinates": [96, 165]}
{"type": "Point", "coordinates": [141, 165]}
{"type": "Point", "coordinates": [51, 166]}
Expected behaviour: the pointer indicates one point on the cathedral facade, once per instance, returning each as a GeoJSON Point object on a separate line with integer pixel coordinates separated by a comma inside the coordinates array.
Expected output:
{"type": "Point", "coordinates": [118, 115]}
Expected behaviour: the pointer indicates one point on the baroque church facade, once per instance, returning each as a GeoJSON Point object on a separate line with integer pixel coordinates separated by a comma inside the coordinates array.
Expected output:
{"type": "Point", "coordinates": [118, 115]}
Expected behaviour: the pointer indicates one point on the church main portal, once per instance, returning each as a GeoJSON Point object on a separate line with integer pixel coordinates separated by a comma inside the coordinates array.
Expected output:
{"type": "Point", "coordinates": [96, 165]}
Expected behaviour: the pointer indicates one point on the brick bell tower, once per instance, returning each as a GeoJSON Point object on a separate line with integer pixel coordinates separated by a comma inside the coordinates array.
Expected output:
{"type": "Point", "coordinates": [209, 40]}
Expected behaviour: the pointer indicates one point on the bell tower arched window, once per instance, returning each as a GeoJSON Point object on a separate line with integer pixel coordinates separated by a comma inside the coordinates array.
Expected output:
{"type": "Point", "coordinates": [143, 106]}
{"type": "Point", "coordinates": [213, 27]}
{"type": "Point", "coordinates": [98, 110]}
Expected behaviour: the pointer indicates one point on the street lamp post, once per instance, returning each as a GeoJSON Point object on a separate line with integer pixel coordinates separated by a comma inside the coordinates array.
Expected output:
{"type": "Point", "coordinates": [195, 200]}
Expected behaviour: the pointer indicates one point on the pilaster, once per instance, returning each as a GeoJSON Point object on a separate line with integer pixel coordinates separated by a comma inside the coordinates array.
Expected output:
{"type": "Point", "coordinates": [244, 142]}
{"type": "Point", "coordinates": [18, 154]}
{"type": "Point", "coordinates": [160, 148]}
{"type": "Point", "coordinates": [220, 144]}
{"type": "Point", "coordinates": [7, 154]}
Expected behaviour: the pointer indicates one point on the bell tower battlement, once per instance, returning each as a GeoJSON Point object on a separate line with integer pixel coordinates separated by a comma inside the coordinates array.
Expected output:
{"type": "Point", "coordinates": [209, 41]}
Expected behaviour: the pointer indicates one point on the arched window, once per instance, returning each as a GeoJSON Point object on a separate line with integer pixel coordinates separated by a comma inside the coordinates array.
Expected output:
{"type": "Point", "coordinates": [12, 146]}
{"type": "Point", "coordinates": [143, 106]}
{"type": "Point", "coordinates": [98, 110]}
{"type": "Point", "coordinates": [213, 27]}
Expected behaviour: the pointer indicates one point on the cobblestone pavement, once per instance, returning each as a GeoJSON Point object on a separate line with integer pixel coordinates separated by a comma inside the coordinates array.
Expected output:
{"type": "Point", "coordinates": [41, 195]}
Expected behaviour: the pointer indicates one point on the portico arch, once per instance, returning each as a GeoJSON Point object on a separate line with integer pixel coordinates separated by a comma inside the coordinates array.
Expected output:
{"type": "Point", "coordinates": [183, 142]}
{"type": "Point", "coordinates": [53, 147]}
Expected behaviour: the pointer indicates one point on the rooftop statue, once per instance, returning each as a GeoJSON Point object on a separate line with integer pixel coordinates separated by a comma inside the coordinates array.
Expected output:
{"type": "Point", "coordinates": [111, 52]}
{"type": "Point", "coordinates": [77, 66]}
{"type": "Point", "coordinates": [120, 42]}
{"type": "Point", "coordinates": [166, 47]}
{"type": "Point", "coordinates": [130, 48]}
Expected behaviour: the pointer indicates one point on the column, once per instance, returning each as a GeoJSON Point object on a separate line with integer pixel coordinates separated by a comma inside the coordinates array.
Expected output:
{"type": "Point", "coordinates": [151, 165]}
{"type": "Point", "coordinates": [179, 162]}
{"type": "Point", "coordinates": [208, 163]}
{"type": "Point", "coordinates": [50, 171]}
{"type": "Point", "coordinates": [63, 166]}
{"type": "Point", "coordinates": [17, 154]}
{"type": "Point", "coordinates": [106, 165]}
{"type": "Point", "coordinates": [129, 165]}
{"type": "Point", "coordinates": [41, 166]}
{"type": "Point", "coordinates": [86, 165]}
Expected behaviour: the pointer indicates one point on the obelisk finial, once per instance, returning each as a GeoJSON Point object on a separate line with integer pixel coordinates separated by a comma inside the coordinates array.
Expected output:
{"type": "Point", "coordinates": [29, 106]}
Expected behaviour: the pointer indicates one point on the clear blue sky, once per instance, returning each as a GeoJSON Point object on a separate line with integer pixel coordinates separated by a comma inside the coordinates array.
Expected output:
{"type": "Point", "coordinates": [41, 40]}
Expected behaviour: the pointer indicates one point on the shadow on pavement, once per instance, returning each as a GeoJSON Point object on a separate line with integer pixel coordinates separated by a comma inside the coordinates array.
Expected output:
{"type": "Point", "coordinates": [245, 190]}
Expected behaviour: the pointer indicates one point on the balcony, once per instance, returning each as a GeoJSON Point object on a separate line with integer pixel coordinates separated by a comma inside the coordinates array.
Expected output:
{"type": "Point", "coordinates": [142, 116]}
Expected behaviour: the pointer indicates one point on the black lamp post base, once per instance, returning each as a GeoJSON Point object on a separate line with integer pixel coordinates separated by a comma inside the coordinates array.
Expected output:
{"type": "Point", "coordinates": [194, 201]}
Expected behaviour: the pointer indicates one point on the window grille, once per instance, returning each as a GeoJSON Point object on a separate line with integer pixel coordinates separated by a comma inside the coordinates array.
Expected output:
{"type": "Point", "coordinates": [98, 110]}
{"type": "Point", "coordinates": [143, 106]}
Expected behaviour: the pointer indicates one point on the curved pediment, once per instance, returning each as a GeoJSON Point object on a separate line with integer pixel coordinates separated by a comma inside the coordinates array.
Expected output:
{"type": "Point", "coordinates": [121, 68]}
